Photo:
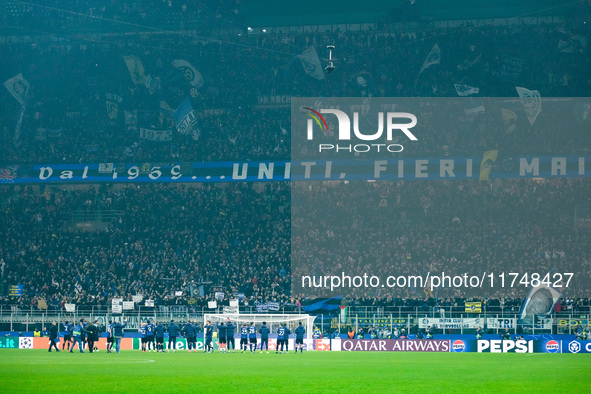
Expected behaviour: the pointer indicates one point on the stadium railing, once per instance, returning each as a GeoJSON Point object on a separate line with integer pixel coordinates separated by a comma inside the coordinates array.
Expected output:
{"type": "Point", "coordinates": [27, 319]}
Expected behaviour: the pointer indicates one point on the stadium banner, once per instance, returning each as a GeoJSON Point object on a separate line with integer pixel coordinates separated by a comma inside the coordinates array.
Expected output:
{"type": "Point", "coordinates": [576, 346]}
{"type": "Point", "coordinates": [156, 135]}
{"type": "Point", "coordinates": [494, 322]}
{"type": "Point", "coordinates": [506, 346]}
{"type": "Point", "coordinates": [101, 344]}
{"type": "Point", "coordinates": [274, 101]}
{"type": "Point", "coordinates": [450, 323]}
{"type": "Point", "coordinates": [396, 345]}
{"type": "Point", "coordinates": [381, 321]}
{"type": "Point", "coordinates": [317, 170]}
{"type": "Point", "coordinates": [9, 343]}
{"type": "Point", "coordinates": [473, 307]}
{"type": "Point", "coordinates": [16, 290]}
{"type": "Point", "coordinates": [181, 343]}
{"type": "Point", "coordinates": [572, 322]}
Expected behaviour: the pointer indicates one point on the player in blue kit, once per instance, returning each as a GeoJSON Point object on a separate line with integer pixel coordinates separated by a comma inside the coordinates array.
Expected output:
{"type": "Point", "coordinates": [264, 331]}
{"type": "Point", "coordinates": [67, 335]}
{"type": "Point", "coordinates": [208, 337]}
{"type": "Point", "coordinates": [144, 336]}
{"type": "Point", "coordinates": [150, 328]}
{"type": "Point", "coordinates": [243, 337]}
{"type": "Point", "coordinates": [230, 327]}
{"type": "Point", "coordinates": [300, 331]}
{"type": "Point", "coordinates": [222, 337]}
{"type": "Point", "coordinates": [252, 337]}
{"type": "Point", "coordinates": [280, 336]}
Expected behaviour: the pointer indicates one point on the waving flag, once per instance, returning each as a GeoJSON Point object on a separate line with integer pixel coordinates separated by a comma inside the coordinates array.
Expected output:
{"type": "Point", "coordinates": [311, 63]}
{"type": "Point", "coordinates": [136, 69]}
{"type": "Point", "coordinates": [18, 88]}
{"type": "Point", "coordinates": [466, 90]}
{"type": "Point", "coordinates": [532, 103]}
{"type": "Point", "coordinates": [185, 117]}
{"type": "Point", "coordinates": [434, 57]}
{"type": "Point", "coordinates": [190, 73]}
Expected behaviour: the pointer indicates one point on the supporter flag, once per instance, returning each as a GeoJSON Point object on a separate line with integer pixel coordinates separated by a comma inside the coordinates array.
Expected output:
{"type": "Point", "coordinates": [190, 73]}
{"type": "Point", "coordinates": [311, 63]}
{"type": "Point", "coordinates": [344, 310]}
{"type": "Point", "coordinates": [70, 307]}
{"type": "Point", "coordinates": [18, 87]}
{"type": "Point", "coordinates": [532, 103]}
{"type": "Point", "coordinates": [320, 305]}
{"type": "Point", "coordinates": [112, 102]}
{"type": "Point", "coordinates": [510, 119]}
{"type": "Point", "coordinates": [149, 303]}
{"type": "Point", "coordinates": [471, 113]}
{"type": "Point", "coordinates": [131, 120]}
{"type": "Point", "coordinates": [488, 159]}
{"type": "Point", "coordinates": [136, 69]}
{"type": "Point", "coordinates": [185, 117]}
{"type": "Point", "coordinates": [434, 57]}
{"type": "Point", "coordinates": [540, 301]}
{"type": "Point", "coordinates": [473, 307]}
{"type": "Point", "coordinates": [152, 83]}
{"type": "Point", "coordinates": [212, 304]}
{"type": "Point", "coordinates": [466, 90]}
{"type": "Point", "coordinates": [16, 290]}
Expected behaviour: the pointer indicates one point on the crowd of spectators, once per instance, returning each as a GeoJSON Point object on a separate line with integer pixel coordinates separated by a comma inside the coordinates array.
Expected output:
{"type": "Point", "coordinates": [66, 119]}
{"type": "Point", "coordinates": [249, 240]}
{"type": "Point", "coordinates": [236, 238]}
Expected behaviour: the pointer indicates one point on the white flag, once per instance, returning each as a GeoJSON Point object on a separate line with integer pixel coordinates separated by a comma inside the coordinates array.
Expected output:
{"type": "Point", "coordinates": [18, 87]}
{"type": "Point", "coordinates": [540, 301]}
{"type": "Point", "coordinates": [136, 69]}
{"type": "Point", "coordinates": [190, 73]}
{"type": "Point", "coordinates": [466, 90]}
{"type": "Point", "coordinates": [532, 103]}
{"type": "Point", "coordinates": [434, 57]}
{"type": "Point", "coordinates": [311, 63]}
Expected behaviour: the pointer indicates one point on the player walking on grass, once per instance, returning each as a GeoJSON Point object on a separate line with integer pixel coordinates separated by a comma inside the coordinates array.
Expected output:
{"type": "Point", "coordinates": [264, 331]}
{"type": "Point", "coordinates": [230, 327]}
{"type": "Point", "coordinates": [159, 333]}
{"type": "Point", "coordinates": [110, 338]}
{"type": "Point", "coordinates": [67, 335]}
{"type": "Point", "coordinates": [252, 337]}
{"type": "Point", "coordinates": [280, 336]}
{"type": "Point", "coordinates": [243, 337]}
{"type": "Point", "coordinates": [77, 337]}
{"type": "Point", "coordinates": [53, 333]}
{"type": "Point", "coordinates": [173, 332]}
{"type": "Point", "coordinates": [208, 337]}
{"type": "Point", "coordinates": [299, 331]}
{"type": "Point", "coordinates": [222, 337]}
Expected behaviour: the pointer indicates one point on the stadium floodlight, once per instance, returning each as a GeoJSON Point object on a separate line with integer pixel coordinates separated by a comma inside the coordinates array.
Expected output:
{"type": "Point", "coordinates": [330, 66]}
{"type": "Point", "coordinates": [273, 320]}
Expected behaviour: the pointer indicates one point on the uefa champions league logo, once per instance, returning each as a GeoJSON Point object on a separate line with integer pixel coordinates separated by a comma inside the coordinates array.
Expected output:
{"type": "Point", "coordinates": [574, 347]}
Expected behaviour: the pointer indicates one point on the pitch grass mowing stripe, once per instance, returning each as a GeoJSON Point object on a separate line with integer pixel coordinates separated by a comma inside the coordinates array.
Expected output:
{"type": "Point", "coordinates": [133, 371]}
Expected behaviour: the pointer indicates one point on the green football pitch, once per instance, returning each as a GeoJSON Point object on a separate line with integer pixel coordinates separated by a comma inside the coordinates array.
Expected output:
{"type": "Point", "coordinates": [132, 371]}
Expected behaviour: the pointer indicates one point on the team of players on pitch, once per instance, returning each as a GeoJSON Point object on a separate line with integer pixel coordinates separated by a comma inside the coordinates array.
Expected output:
{"type": "Point", "coordinates": [152, 337]}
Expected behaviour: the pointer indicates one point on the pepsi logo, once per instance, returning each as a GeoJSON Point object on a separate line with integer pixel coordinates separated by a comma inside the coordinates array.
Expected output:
{"type": "Point", "coordinates": [458, 346]}
{"type": "Point", "coordinates": [552, 346]}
